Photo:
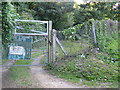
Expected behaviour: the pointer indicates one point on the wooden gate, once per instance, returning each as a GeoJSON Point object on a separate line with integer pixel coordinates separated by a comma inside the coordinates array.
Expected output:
{"type": "Point", "coordinates": [50, 34]}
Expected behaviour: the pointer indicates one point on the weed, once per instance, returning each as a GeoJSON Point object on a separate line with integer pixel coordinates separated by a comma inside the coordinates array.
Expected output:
{"type": "Point", "coordinates": [88, 69]}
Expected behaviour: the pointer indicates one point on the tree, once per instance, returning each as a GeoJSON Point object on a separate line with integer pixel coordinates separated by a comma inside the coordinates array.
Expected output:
{"type": "Point", "coordinates": [96, 10]}
{"type": "Point", "coordinates": [8, 16]}
{"type": "Point", "coordinates": [58, 12]}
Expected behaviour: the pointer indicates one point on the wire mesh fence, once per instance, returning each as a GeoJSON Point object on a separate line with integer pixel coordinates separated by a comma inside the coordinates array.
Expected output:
{"type": "Point", "coordinates": [100, 35]}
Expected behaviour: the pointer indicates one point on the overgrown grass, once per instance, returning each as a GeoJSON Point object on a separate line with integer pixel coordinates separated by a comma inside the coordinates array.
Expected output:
{"type": "Point", "coordinates": [71, 47]}
{"type": "Point", "coordinates": [20, 75]}
{"type": "Point", "coordinates": [23, 62]}
{"type": "Point", "coordinates": [109, 44]}
{"type": "Point", "coordinates": [88, 70]}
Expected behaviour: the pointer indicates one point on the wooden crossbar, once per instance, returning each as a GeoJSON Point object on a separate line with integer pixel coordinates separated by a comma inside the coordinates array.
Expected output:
{"type": "Point", "coordinates": [31, 21]}
{"type": "Point", "coordinates": [30, 34]}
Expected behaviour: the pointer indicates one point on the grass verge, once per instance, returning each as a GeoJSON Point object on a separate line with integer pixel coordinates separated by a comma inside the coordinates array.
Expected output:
{"type": "Point", "coordinates": [20, 75]}
{"type": "Point", "coordinates": [92, 73]}
{"type": "Point", "coordinates": [3, 61]}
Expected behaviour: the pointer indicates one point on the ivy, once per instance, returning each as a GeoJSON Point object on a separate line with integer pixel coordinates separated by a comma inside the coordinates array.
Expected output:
{"type": "Point", "coordinates": [8, 16]}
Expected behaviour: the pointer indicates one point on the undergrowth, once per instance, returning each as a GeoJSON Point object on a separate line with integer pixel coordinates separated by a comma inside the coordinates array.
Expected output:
{"type": "Point", "coordinates": [88, 69]}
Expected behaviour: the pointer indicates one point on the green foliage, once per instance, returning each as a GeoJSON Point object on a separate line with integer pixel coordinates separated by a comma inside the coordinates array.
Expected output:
{"type": "Point", "coordinates": [88, 69]}
{"type": "Point", "coordinates": [22, 7]}
{"type": "Point", "coordinates": [20, 75]}
{"type": "Point", "coordinates": [65, 21]}
{"type": "Point", "coordinates": [71, 47]}
{"type": "Point", "coordinates": [28, 26]}
{"type": "Point", "coordinates": [70, 33]}
{"type": "Point", "coordinates": [107, 42]}
{"type": "Point", "coordinates": [23, 62]}
{"type": "Point", "coordinates": [60, 13]}
{"type": "Point", "coordinates": [97, 11]}
{"type": "Point", "coordinates": [8, 16]}
{"type": "Point", "coordinates": [0, 19]}
{"type": "Point", "coordinates": [110, 47]}
{"type": "Point", "coordinates": [78, 31]}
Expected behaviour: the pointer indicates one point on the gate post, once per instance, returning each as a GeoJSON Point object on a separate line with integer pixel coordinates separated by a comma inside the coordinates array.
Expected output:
{"type": "Point", "coordinates": [0, 57]}
{"type": "Point", "coordinates": [49, 41]}
{"type": "Point", "coordinates": [54, 44]}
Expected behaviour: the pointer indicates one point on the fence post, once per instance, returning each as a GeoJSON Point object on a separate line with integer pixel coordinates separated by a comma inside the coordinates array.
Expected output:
{"type": "Point", "coordinates": [49, 41]}
{"type": "Point", "coordinates": [94, 33]}
{"type": "Point", "coordinates": [0, 35]}
{"type": "Point", "coordinates": [0, 59]}
{"type": "Point", "coordinates": [54, 44]}
{"type": "Point", "coordinates": [0, 47]}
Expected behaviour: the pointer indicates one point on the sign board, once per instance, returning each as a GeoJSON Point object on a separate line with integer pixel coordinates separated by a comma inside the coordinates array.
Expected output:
{"type": "Point", "coordinates": [23, 45]}
{"type": "Point", "coordinates": [17, 50]}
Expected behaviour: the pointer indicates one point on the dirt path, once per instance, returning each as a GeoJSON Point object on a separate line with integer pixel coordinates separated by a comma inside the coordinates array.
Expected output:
{"type": "Point", "coordinates": [45, 80]}
{"type": "Point", "coordinates": [39, 77]}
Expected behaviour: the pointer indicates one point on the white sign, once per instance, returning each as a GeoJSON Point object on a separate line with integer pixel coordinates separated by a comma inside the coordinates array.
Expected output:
{"type": "Point", "coordinates": [18, 50]}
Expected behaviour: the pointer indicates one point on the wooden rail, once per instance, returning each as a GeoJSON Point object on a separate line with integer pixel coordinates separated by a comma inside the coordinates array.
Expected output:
{"type": "Point", "coordinates": [60, 45]}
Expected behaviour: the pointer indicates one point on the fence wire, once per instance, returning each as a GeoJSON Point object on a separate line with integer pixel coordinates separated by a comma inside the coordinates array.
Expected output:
{"type": "Point", "coordinates": [93, 34]}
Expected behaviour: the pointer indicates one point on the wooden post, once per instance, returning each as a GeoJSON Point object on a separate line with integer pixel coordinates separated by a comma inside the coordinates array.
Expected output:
{"type": "Point", "coordinates": [94, 33]}
{"type": "Point", "coordinates": [0, 36]}
{"type": "Point", "coordinates": [0, 59]}
{"type": "Point", "coordinates": [49, 41]}
{"type": "Point", "coordinates": [54, 45]}
{"type": "Point", "coordinates": [0, 48]}
{"type": "Point", "coordinates": [60, 45]}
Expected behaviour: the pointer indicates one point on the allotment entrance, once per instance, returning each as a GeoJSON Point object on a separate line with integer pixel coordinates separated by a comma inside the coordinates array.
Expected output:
{"type": "Point", "coordinates": [28, 32]}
